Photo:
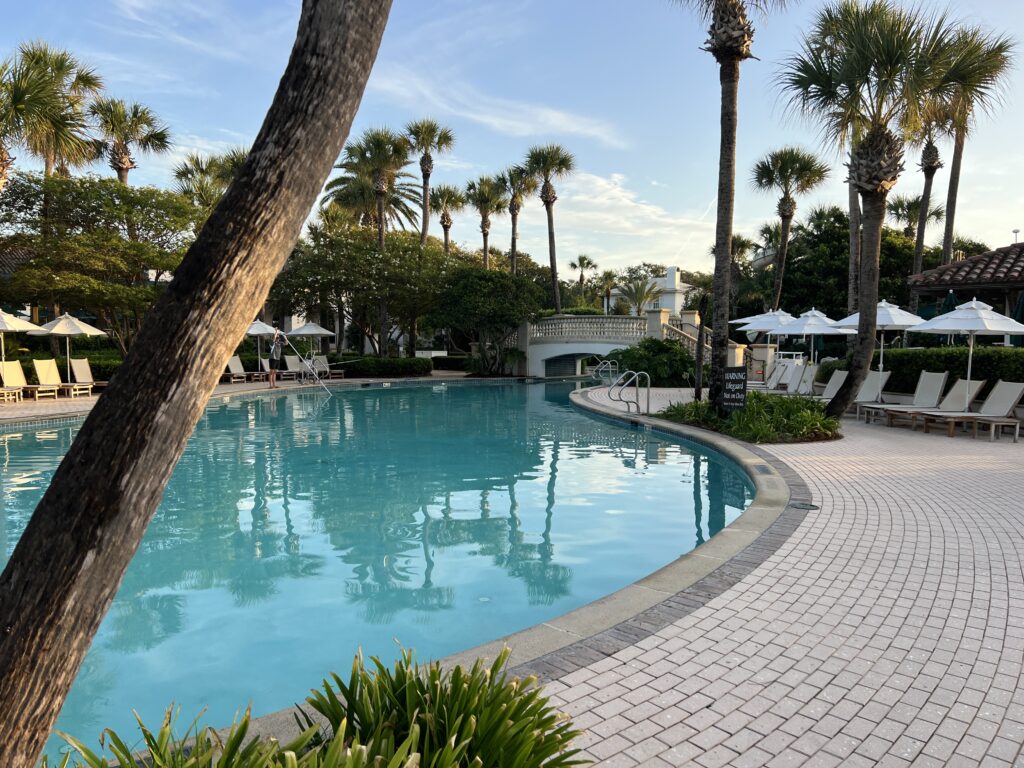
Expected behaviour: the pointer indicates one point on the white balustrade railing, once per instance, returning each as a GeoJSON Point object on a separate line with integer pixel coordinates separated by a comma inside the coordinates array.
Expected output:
{"type": "Point", "coordinates": [583, 327]}
{"type": "Point", "coordinates": [688, 340]}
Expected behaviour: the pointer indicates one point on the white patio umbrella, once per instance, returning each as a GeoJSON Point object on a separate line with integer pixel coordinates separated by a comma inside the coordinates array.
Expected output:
{"type": "Point", "coordinates": [12, 324]}
{"type": "Point", "coordinates": [811, 323]}
{"type": "Point", "coordinates": [259, 329]}
{"type": "Point", "coordinates": [67, 326]}
{"type": "Point", "coordinates": [311, 331]}
{"type": "Point", "coordinates": [974, 318]}
{"type": "Point", "coordinates": [750, 318]}
{"type": "Point", "coordinates": [890, 318]}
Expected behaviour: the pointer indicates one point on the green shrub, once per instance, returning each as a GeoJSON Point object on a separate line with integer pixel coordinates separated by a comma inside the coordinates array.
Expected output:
{"type": "Point", "coordinates": [990, 364]}
{"type": "Point", "coordinates": [499, 721]}
{"type": "Point", "coordinates": [383, 367]}
{"type": "Point", "coordinates": [668, 362]}
{"type": "Point", "coordinates": [765, 419]}
{"type": "Point", "coordinates": [449, 363]}
{"type": "Point", "coordinates": [203, 748]}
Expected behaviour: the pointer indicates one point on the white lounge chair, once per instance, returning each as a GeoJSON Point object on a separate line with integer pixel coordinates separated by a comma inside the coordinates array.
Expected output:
{"type": "Point", "coordinates": [870, 391]}
{"type": "Point", "coordinates": [81, 372]}
{"type": "Point", "coordinates": [779, 372]}
{"type": "Point", "coordinates": [13, 376]}
{"type": "Point", "coordinates": [927, 394]}
{"type": "Point", "coordinates": [49, 376]}
{"type": "Point", "coordinates": [283, 374]}
{"type": "Point", "coordinates": [235, 373]}
{"type": "Point", "coordinates": [953, 402]}
{"type": "Point", "coordinates": [997, 410]}
{"type": "Point", "coordinates": [805, 386]}
{"type": "Point", "coordinates": [323, 368]}
{"type": "Point", "coordinates": [836, 380]}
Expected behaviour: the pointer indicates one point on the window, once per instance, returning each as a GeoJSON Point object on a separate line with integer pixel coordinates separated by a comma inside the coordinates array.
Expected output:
{"type": "Point", "coordinates": [656, 304]}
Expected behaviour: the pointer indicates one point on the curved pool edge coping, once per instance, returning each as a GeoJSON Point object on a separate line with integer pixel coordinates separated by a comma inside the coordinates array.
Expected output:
{"type": "Point", "coordinates": [605, 626]}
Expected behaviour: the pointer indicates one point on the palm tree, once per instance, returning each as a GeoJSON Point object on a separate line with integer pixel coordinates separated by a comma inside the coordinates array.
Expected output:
{"type": "Point", "coordinates": [487, 195]}
{"type": "Point", "coordinates": [124, 127]}
{"type": "Point", "coordinates": [73, 85]}
{"type": "Point", "coordinates": [730, 37]}
{"type": "Point", "coordinates": [519, 184]}
{"type": "Point", "coordinates": [929, 165]}
{"type": "Point", "coordinates": [640, 292]}
{"type": "Point", "coordinates": [549, 162]}
{"type": "Point", "coordinates": [204, 179]}
{"type": "Point", "coordinates": [353, 191]}
{"type": "Point", "coordinates": [906, 210]}
{"type": "Point", "coordinates": [426, 137]}
{"type": "Point", "coordinates": [448, 200]}
{"type": "Point", "coordinates": [606, 281]}
{"type": "Point", "coordinates": [583, 264]}
{"type": "Point", "coordinates": [791, 171]}
{"type": "Point", "coordinates": [867, 67]}
{"type": "Point", "coordinates": [981, 65]}
{"type": "Point", "coordinates": [28, 104]}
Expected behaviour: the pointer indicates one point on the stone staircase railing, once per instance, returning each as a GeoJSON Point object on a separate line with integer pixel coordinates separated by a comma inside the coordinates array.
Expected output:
{"type": "Point", "coordinates": [689, 341]}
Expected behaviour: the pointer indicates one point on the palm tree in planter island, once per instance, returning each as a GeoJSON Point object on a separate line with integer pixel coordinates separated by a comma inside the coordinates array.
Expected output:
{"type": "Point", "coordinates": [488, 197]}
{"type": "Point", "coordinates": [790, 171]}
{"type": "Point", "coordinates": [547, 163]}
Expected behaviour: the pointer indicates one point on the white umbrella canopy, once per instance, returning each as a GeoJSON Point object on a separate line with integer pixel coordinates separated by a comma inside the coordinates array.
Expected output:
{"type": "Point", "coordinates": [768, 322]}
{"type": "Point", "coordinates": [12, 324]}
{"type": "Point", "coordinates": [890, 318]}
{"type": "Point", "coordinates": [310, 329]}
{"type": "Point", "coordinates": [811, 323]}
{"type": "Point", "coordinates": [259, 329]}
{"type": "Point", "coordinates": [750, 318]}
{"type": "Point", "coordinates": [973, 318]}
{"type": "Point", "coordinates": [67, 326]}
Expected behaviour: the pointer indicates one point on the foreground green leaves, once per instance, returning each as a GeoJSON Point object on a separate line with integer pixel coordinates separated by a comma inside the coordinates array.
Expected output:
{"type": "Point", "coordinates": [478, 718]}
{"type": "Point", "coordinates": [765, 419]}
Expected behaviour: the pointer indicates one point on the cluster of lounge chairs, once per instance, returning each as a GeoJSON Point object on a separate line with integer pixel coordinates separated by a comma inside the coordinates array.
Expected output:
{"type": "Point", "coordinates": [16, 387]}
{"type": "Point", "coordinates": [294, 368]}
{"type": "Point", "coordinates": [930, 406]}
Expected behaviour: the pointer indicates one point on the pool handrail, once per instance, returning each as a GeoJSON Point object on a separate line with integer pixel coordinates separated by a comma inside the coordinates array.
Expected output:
{"type": "Point", "coordinates": [626, 379]}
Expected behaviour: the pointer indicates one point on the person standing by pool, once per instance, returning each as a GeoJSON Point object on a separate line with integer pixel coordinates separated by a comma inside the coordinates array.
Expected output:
{"type": "Point", "coordinates": [276, 347]}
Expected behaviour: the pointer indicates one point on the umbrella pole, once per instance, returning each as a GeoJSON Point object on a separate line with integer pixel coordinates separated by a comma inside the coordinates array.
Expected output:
{"type": "Point", "coordinates": [3, 352]}
{"type": "Point", "coordinates": [67, 352]}
{"type": "Point", "coordinates": [970, 360]}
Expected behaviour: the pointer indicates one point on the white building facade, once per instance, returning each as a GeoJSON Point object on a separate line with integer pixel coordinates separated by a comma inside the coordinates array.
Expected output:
{"type": "Point", "coordinates": [674, 293]}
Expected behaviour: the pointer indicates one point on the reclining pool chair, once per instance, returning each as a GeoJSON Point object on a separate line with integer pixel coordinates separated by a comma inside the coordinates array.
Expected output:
{"type": "Point", "coordinates": [49, 376]}
{"type": "Point", "coordinates": [13, 376]}
{"type": "Point", "coordinates": [835, 381]}
{"type": "Point", "coordinates": [282, 374]}
{"type": "Point", "coordinates": [953, 402]}
{"type": "Point", "coordinates": [81, 372]}
{"type": "Point", "coordinates": [235, 373]}
{"type": "Point", "coordinates": [870, 391]}
{"type": "Point", "coordinates": [927, 394]}
{"type": "Point", "coordinates": [996, 411]}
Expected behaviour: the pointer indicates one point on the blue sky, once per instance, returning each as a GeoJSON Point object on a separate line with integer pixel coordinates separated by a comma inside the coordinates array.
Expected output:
{"type": "Point", "coordinates": [624, 85]}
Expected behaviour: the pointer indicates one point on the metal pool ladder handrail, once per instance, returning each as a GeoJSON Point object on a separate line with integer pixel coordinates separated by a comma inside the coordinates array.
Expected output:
{"type": "Point", "coordinates": [611, 367]}
{"type": "Point", "coordinates": [633, 378]}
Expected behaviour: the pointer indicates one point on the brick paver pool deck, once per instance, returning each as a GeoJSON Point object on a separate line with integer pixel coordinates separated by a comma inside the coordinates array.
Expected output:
{"type": "Point", "coordinates": [888, 629]}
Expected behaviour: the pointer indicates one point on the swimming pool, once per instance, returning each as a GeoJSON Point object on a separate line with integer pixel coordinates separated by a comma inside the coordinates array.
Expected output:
{"type": "Point", "coordinates": [298, 528]}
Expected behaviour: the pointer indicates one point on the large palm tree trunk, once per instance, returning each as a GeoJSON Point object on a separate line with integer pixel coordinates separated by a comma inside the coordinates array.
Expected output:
{"type": "Point", "coordinates": [922, 223]}
{"type": "Point", "coordinates": [729, 76]}
{"type": "Point", "coordinates": [70, 560]}
{"type": "Point", "coordinates": [551, 255]}
{"type": "Point", "coordinates": [514, 248]}
{"type": "Point", "coordinates": [954, 189]}
{"type": "Point", "coordinates": [864, 347]}
{"type": "Point", "coordinates": [855, 251]}
{"type": "Point", "coordinates": [487, 253]}
{"type": "Point", "coordinates": [780, 260]}
{"type": "Point", "coordinates": [447, 239]}
{"type": "Point", "coordinates": [425, 225]}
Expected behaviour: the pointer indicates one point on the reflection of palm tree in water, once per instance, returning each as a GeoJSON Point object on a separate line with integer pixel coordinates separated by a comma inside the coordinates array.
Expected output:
{"type": "Point", "coordinates": [716, 498]}
{"type": "Point", "coordinates": [698, 499]}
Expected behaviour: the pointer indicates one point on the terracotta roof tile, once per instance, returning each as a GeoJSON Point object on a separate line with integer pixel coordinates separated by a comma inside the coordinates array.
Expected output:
{"type": "Point", "coordinates": [12, 258]}
{"type": "Point", "coordinates": [1003, 267]}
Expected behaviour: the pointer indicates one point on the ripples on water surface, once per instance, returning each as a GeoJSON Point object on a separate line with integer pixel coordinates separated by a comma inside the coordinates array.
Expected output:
{"type": "Point", "coordinates": [297, 529]}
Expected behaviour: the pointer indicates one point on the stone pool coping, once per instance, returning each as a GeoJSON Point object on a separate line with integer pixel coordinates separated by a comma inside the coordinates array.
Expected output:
{"type": "Point", "coordinates": [609, 624]}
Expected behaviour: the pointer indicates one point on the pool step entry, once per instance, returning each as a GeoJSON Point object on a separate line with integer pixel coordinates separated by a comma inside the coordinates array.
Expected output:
{"type": "Point", "coordinates": [636, 380]}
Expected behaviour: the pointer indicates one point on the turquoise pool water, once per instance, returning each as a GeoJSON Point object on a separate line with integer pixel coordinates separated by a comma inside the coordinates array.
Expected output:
{"type": "Point", "coordinates": [297, 529]}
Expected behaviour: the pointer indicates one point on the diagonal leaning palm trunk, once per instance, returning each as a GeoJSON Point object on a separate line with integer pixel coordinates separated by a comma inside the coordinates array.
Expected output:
{"type": "Point", "coordinates": [69, 563]}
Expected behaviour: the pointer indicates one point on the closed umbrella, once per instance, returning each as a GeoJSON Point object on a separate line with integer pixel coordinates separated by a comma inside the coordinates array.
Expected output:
{"type": "Point", "coordinates": [974, 318]}
{"type": "Point", "coordinates": [259, 329]}
{"type": "Point", "coordinates": [67, 326]}
{"type": "Point", "coordinates": [889, 318]}
{"type": "Point", "coordinates": [812, 323]}
{"type": "Point", "coordinates": [12, 324]}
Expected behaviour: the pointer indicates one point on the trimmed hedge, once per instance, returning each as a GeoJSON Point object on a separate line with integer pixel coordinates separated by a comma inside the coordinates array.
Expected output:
{"type": "Point", "coordinates": [990, 363]}
{"type": "Point", "coordinates": [382, 367]}
{"type": "Point", "coordinates": [450, 363]}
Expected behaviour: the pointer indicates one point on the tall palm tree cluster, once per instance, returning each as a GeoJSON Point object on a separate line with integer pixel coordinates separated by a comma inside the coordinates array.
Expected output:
{"type": "Point", "coordinates": [53, 107]}
{"type": "Point", "coordinates": [377, 190]}
{"type": "Point", "coordinates": [875, 77]}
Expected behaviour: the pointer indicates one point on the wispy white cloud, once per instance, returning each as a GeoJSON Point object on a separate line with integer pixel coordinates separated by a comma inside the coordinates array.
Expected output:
{"type": "Point", "coordinates": [452, 96]}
